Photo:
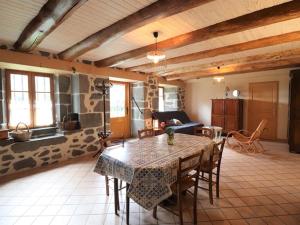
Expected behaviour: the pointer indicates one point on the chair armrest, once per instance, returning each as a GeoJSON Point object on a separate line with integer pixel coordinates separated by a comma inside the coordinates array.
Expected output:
{"type": "Point", "coordinates": [245, 132]}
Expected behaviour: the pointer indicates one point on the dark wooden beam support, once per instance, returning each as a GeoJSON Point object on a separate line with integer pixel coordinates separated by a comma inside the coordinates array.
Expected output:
{"type": "Point", "coordinates": [291, 53]}
{"type": "Point", "coordinates": [259, 43]}
{"type": "Point", "coordinates": [157, 10]}
{"type": "Point", "coordinates": [238, 69]}
{"type": "Point", "coordinates": [51, 15]}
{"type": "Point", "coordinates": [267, 16]}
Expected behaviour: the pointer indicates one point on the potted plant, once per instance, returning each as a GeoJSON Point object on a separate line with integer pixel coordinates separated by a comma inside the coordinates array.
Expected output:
{"type": "Point", "coordinates": [170, 132]}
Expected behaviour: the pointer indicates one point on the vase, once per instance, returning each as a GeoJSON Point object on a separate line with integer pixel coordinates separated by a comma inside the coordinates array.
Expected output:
{"type": "Point", "coordinates": [170, 139]}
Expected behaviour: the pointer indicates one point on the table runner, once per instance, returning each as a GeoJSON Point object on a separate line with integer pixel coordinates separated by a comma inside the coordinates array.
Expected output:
{"type": "Point", "coordinates": [150, 165]}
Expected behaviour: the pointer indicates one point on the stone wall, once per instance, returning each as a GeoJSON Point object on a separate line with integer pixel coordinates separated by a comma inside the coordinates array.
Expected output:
{"type": "Point", "coordinates": [146, 96]}
{"type": "Point", "coordinates": [174, 98]}
{"type": "Point", "coordinates": [63, 95]}
{"type": "Point", "coordinates": [75, 93]}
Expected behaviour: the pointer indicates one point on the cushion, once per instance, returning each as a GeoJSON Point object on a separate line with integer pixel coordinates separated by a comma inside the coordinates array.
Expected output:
{"type": "Point", "coordinates": [165, 116]}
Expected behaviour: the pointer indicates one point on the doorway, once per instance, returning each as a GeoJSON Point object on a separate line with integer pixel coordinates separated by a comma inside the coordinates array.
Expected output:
{"type": "Point", "coordinates": [263, 104]}
{"type": "Point", "coordinates": [119, 110]}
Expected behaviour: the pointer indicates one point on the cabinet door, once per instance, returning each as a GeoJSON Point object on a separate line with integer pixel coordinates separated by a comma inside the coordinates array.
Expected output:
{"type": "Point", "coordinates": [217, 120]}
{"type": "Point", "coordinates": [231, 123]}
{"type": "Point", "coordinates": [217, 107]}
{"type": "Point", "coordinates": [231, 107]}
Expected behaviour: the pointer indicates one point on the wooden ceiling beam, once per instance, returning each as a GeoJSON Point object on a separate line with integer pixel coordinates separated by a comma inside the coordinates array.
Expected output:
{"type": "Point", "coordinates": [51, 15]}
{"type": "Point", "coordinates": [238, 69]}
{"type": "Point", "coordinates": [259, 43]}
{"type": "Point", "coordinates": [267, 16]}
{"type": "Point", "coordinates": [291, 53]}
{"type": "Point", "coordinates": [29, 62]}
{"type": "Point", "coordinates": [157, 10]}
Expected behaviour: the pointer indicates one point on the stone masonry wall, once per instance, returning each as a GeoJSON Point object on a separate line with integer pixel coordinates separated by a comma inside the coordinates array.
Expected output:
{"type": "Point", "coordinates": [146, 96]}
{"type": "Point", "coordinates": [174, 98]}
{"type": "Point", "coordinates": [19, 156]}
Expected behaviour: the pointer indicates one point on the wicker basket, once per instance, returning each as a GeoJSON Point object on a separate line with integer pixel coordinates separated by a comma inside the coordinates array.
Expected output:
{"type": "Point", "coordinates": [21, 135]}
{"type": "Point", "coordinates": [69, 124]}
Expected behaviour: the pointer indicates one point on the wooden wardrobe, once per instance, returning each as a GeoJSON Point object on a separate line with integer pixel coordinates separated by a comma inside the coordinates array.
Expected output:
{"type": "Point", "coordinates": [294, 112]}
{"type": "Point", "coordinates": [227, 113]}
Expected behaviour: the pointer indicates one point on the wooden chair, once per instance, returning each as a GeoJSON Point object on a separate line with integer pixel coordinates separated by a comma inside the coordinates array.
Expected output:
{"type": "Point", "coordinates": [245, 141]}
{"type": "Point", "coordinates": [145, 133]}
{"type": "Point", "coordinates": [202, 131]}
{"type": "Point", "coordinates": [208, 167]}
{"type": "Point", "coordinates": [187, 177]}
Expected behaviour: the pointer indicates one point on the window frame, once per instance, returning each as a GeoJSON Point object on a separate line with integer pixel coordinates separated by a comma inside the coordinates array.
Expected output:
{"type": "Point", "coordinates": [31, 95]}
{"type": "Point", "coordinates": [162, 97]}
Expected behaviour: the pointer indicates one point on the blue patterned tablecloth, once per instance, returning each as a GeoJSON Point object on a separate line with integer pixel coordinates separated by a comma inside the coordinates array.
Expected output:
{"type": "Point", "coordinates": [150, 165]}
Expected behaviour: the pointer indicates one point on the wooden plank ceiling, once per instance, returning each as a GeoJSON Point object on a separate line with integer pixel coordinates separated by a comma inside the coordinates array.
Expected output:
{"type": "Point", "coordinates": [200, 37]}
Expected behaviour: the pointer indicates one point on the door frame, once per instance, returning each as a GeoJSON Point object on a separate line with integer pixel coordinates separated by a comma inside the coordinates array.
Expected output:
{"type": "Point", "coordinates": [276, 108]}
{"type": "Point", "coordinates": [127, 105]}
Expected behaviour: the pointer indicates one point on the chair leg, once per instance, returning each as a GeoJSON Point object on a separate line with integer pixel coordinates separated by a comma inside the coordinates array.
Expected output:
{"type": "Point", "coordinates": [180, 207]}
{"type": "Point", "coordinates": [155, 212]}
{"type": "Point", "coordinates": [107, 185]}
{"type": "Point", "coordinates": [127, 205]}
{"type": "Point", "coordinates": [210, 188]}
{"type": "Point", "coordinates": [218, 182]}
{"type": "Point", "coordinates": [195, 205]}
{"type": "Point", "coordinates": [116, 196]}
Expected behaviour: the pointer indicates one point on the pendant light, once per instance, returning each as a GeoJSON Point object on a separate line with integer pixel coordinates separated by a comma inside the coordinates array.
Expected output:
{"type": "Point", "coordinates": [156, 55]}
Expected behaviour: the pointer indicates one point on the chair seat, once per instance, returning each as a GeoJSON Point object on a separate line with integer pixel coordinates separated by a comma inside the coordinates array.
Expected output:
{"type": "Point", "coordinates": [206, 167]}
{"type": "Point", "coordinates": [187, 183]}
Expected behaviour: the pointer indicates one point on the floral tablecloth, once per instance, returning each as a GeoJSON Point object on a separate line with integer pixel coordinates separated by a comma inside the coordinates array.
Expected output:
{"type": "Point", "coordinates": [150, 165]}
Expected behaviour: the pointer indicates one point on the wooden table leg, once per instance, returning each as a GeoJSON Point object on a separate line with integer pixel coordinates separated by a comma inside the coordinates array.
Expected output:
{"type": "Point", "coordinates": [116, 195]}
{"type": "Point", "coordinates": [127, 205]}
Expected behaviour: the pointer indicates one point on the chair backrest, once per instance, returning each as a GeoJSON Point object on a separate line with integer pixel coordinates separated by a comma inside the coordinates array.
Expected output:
{"type": "Point", "coordinates": [202, 131]}
{"type": "Point", "coordinates": [259, 130]}
{"type": "Point", "coordinates": [145, 133]}
{"type": "Point", "coordinates": [216, 153]}
{"type": "Point", "coordinates": [188, 164]}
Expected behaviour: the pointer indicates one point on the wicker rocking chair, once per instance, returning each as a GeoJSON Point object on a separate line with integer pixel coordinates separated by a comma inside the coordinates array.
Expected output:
{"type": "Point", "coordinates": [246, 142]}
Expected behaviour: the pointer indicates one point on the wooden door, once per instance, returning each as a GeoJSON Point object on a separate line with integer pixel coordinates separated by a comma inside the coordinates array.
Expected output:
{"type": "Point", "coordinates": [263, 104]}
{"type": "Point", "coordinates": [294, 120]}
{"type": "Point", "coordinates": [119, 110]}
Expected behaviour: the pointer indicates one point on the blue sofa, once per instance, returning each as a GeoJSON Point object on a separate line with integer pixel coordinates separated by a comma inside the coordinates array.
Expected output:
{"type": "Point", "coordinates": [187, 126]}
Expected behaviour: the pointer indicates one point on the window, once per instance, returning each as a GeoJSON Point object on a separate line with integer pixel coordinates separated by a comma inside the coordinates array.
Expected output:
{"type": "Point", "coordinates": [161, 99]}
{"type": "Point", "coordinates": [30, 98]}
{"type": "Point", "coordinates": [117, 100]}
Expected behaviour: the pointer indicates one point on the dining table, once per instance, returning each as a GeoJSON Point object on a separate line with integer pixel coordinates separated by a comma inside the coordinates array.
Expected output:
{"type": "Point", "coordinates": [150, 165]}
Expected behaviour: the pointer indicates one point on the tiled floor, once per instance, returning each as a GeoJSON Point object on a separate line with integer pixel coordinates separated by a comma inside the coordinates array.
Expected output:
{"type": "Point", "coordinates": [255, 189]}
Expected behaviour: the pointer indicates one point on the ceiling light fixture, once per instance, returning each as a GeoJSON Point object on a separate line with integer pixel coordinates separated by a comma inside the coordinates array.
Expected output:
{"type": "Point", "coordinates": [218, 78]}
{"type": "Point", "coordinates": [156, 55]}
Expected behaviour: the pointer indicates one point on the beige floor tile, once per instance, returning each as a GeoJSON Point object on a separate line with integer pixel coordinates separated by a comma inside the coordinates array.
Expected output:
{"type": "Point", "coordinates": [215, 214]}
{"type": "Point", "coordinates": [273, 220]}
{"type": "Point", "coordinates": [246, 212]}
{"type": "Point", "coordinates": [256, 221]}
{"type": "Point", "coordinates": [290, 208]}
{"type": "Point", "coordinates": [251, 201]}
{"type": "Point", "coordinates": [260, 211]}
{"type": "Point", "coordinates": [236, 202]}
{"type": "Point", "coordinates": [222, 222]}
{"type": "Point", "coordinates": [276, 210]}
{"type": "Point", "coordinates": [231, 213]}
{"type": "Point", "coordinates": [238, 222]}
{"type": "Point", "coordinates": [43, 220]}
